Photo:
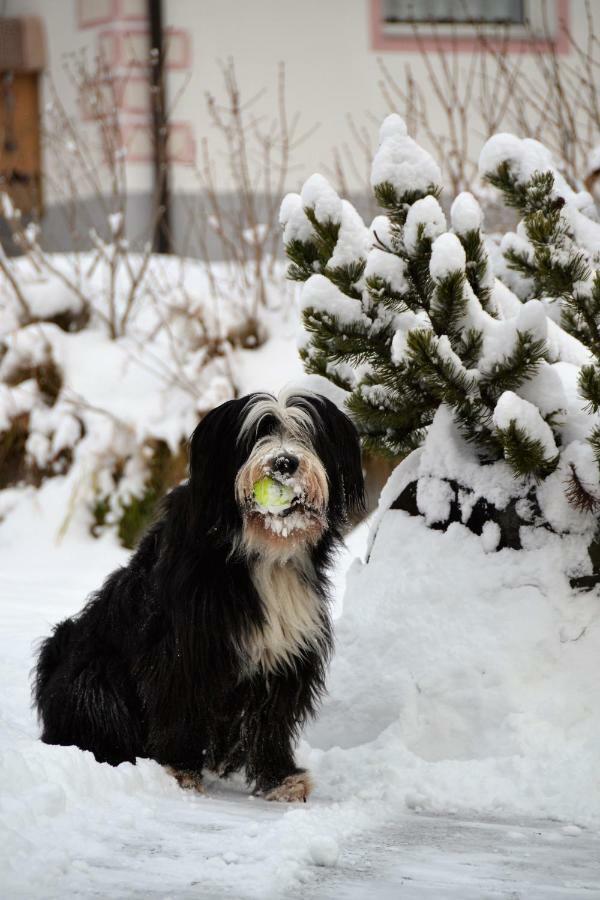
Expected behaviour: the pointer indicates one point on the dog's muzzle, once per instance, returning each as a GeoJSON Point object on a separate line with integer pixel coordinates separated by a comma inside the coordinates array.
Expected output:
{"type": "Point", "coordinates": [301, 516]}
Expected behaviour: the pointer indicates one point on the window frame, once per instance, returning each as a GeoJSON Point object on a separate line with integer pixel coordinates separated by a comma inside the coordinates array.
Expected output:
{"type": "Point", "coordinates": [464, 37]}
{"type": "Point", "coordinates": [458, 23]}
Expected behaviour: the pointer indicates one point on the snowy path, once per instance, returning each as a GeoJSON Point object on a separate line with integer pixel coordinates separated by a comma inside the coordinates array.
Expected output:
{"type": "Point", "coordinates": [70, 828]}
{"type": "Point", "coordinates": [423, 856]}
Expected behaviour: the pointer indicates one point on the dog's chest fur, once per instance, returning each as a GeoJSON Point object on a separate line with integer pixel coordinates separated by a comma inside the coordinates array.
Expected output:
{"type": "Point", "coordinates": [294, 617]}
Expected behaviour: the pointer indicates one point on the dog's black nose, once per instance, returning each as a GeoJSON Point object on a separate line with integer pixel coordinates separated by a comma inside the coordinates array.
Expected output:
{"type": "Point", "coordinates": [285, 464]}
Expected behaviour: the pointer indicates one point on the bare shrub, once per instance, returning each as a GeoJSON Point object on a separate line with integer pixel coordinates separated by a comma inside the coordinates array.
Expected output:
{"type": "Point", "coordinates": [255, 153]}
{"type": "Point", "coordinates": [89, 160]}
{"type": "Point", "coordinates": [466, 98]}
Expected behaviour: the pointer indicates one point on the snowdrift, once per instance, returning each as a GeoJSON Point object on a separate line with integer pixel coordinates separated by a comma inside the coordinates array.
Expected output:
{"type": "Point", "coordinates": [464, 679]}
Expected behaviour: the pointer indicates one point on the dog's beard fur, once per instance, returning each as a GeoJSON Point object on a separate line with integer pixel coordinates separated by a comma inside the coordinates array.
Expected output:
{"type": "Point", "coordinates": [279, 536]}
{"type": "Point", "coordinates": [276, 543]}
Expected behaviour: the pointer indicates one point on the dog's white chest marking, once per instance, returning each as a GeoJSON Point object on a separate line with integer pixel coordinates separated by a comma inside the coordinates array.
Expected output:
{"type": "Point", "coordinates": [293, 617]}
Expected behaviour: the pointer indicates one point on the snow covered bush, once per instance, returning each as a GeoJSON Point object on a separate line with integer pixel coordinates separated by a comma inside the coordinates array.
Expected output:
{"type": "Point", "coordinates": [109, 353]}
{"type": "Point", "coordinates": [111, 411]}
{"type": "Point", "coordinates": [429, 350]}
{"type": "Point", "coordinates": [554, 255]}
{"type": "Point", "coordinates": [466, 647]}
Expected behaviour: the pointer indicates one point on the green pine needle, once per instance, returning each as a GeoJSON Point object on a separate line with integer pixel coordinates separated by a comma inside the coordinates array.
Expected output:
{"type": "Point", "coordinates": [525, 454]}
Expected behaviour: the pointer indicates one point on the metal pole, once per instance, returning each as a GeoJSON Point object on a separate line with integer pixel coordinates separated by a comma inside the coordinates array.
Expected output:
{"type": "Point", "coordinates": [162, 231]}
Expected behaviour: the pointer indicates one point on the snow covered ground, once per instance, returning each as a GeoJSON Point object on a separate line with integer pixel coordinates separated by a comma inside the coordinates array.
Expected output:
{"type": "Point", "coordinates": [383, 818]}
{"type": "Point", "coordinates": [456, 756]}
{"type": "Point", "coordinates": [425, 857]}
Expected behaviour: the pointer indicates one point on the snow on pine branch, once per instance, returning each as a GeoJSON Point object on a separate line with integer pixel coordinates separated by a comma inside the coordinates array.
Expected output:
{"type": "Point", "coordinates": [401, 163]}
{"type": "Point", "coordinates": [514, 410]}
{"type": "Point", "coordinates": [416, 321]}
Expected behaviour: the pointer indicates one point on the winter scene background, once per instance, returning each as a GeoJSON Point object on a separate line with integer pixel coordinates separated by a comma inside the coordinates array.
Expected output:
{"type": "Point", "coordinates": [419, 240]}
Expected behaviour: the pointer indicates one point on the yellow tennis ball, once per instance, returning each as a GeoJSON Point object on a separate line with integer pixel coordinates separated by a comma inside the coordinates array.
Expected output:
{"type": "Point", "coordinates": [270, 494]}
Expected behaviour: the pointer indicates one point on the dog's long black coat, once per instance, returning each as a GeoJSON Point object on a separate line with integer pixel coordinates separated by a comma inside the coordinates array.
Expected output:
{"type": "Point", "coordinates": [149, 668]}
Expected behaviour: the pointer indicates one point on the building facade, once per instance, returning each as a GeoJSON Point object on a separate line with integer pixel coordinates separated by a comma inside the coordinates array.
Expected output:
{"type": "Point", "coordinates": [347, 63]}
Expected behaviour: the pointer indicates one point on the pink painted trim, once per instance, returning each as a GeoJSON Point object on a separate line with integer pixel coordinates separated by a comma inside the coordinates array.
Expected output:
{"type": "Point", "coordinates": [185, 35]}
{"type": "Point", "coordinates": [430, 41]}
{"type": "Point", "coordinates": [186, 156]}
{"type": "Point", "coordinates": [119, 38]}
{"type": "Point", "coordinates": [94, 23]}
{"type": "Point", "coordinates": [122, 93]}
{"type": "Point", "coordinates": [128, 133]}
{"type": "Point", "coordinates": [123, 17]}
{"type": "Point", "coordinates": [88, 115]}
{"type": "Point", "coordinates": [112, 40]}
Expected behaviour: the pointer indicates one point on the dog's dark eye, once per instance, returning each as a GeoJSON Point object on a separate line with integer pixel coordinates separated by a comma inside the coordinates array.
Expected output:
{"type": "Point", "coordinates": [265, 426]}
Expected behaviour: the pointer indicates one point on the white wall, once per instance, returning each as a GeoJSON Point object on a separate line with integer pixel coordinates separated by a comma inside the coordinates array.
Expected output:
{"type": "Point", "coordinates": [331, 67]}
{"type": "Point", "coordinates": [331, 70]}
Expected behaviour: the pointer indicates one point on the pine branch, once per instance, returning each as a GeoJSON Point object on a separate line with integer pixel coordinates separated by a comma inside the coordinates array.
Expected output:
{"type": "Point", "coordinates": [508, 374]}
{"type": "Point", "coordinates": [304, 260]}
{"type": "Point", "coordinates": [345, 342]}
{"type": "Point", "coordinates": [555, 264]}
{"type": "Point", "coordinates": [317, 363]}
{"type": "Point", "coordinates": [469, 347]}
{"type": "Point", "coordinates": [558, 265]}
{"type": "Point", "coordinates": [520, 262]}
{"type": "Point", "coordinates": [346, 277]}
{"type": "Point", "coordinates": [581, 316]}
{"type": "Point", "coordinates": [398, 205]}
{"type": "Point", "coordinates": [589, 387]}
{"type": "Point", "coordinates": [531, 196]}
{"type": "Point", "coordinates": [504, 180]}
{"type": "Point", "coordinates": [380, 292]}
{"type": "Point", "coordinates": [594, 442]}
{"type": "Point", "coordinates": [524, 454]}
{"type": "Point", "coordinates": [326, 234]}
{"type": "Point", "coordinates": [448, 306]}
{"type": "Point", "coordinates": [474, 421]}
{"type": "Point", "coordinates": [578, 494]}
{"type": "Point", "coordinates": [477, 268]}
{"type": "Point", "coordinates": [418, 270]}
{"type": "Point", "coordinates": [391, 447]}
{"type": "Point", "coordinates": [441, 376]}
{"type": "Point", "coordinates": [387, 428]}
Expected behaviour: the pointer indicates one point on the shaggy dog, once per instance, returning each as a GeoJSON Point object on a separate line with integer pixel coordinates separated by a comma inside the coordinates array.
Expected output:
{"type": "Point", "coordinates": [209, 649]}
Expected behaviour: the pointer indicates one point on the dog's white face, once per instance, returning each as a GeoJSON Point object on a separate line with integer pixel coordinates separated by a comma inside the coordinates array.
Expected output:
{"type": "Point", "coordinates": [286, 456]}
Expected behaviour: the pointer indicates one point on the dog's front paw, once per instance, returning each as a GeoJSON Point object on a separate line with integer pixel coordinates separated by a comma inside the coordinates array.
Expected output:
{"type": "Point", "coordinates": [293, 789]}
{"type": "Point", "coordinates": [188, 779]}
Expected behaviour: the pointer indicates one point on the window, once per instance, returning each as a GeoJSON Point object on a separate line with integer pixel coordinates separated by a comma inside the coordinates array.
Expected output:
{"type": "Point", "coordinates": [447, 11]}
{"type": "Point", "coordinates": [519, 26]}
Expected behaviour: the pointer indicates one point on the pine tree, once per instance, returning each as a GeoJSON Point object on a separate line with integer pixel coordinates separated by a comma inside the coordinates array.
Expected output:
{"type": "Point", "coordinates": [401, 315]}
{"type": "Point", "coordinates": [545, 251]}
{"type": "Point", "coordinates": [555, 251]}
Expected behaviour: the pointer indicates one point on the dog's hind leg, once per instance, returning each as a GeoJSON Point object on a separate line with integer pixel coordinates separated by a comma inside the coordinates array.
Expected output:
{"type": "Point", "coordinates": [293, 789]}
{"type": "Point", "coordinates": [188, 779]}
{"type": "Point", "coordinates": [86, 702]}
{"type": "Point", "coordinates": [52, 652]}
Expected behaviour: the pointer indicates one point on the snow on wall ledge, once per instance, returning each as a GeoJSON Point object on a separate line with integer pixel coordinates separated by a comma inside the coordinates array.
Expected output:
{"type": "Point", "coordinates": [466, 685]}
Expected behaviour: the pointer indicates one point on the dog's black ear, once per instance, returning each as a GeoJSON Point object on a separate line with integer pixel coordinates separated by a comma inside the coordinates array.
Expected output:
{"type": "Point", "coordinates": [347, 452]}
{"type": "Point", "coordinates": [215, 459]}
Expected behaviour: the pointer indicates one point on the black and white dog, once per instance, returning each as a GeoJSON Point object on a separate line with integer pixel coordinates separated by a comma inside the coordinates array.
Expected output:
{"type": "Point", "coordinates": [209, 649]}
